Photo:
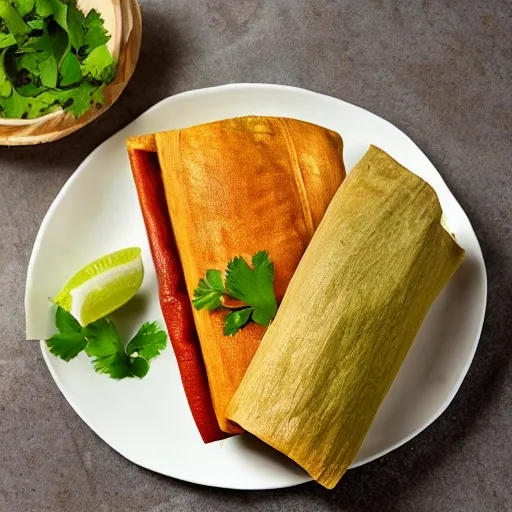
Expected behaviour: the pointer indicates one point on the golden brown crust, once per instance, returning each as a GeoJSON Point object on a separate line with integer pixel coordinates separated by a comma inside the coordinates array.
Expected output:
{"type": "Point", "coordinates": [235, 187]}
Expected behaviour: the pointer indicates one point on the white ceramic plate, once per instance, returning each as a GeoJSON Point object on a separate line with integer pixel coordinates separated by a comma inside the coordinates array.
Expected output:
{"type": "Point", "coordinates": [148, 421]}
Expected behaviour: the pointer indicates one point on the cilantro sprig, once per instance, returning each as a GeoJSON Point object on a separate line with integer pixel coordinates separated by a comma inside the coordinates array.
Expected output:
{"type": "Point", "coordinates": [251, 291]}
{"type": "Point", "coordinates": [102, 344]}
{"type": "Point", "coordinates": [51, 56]}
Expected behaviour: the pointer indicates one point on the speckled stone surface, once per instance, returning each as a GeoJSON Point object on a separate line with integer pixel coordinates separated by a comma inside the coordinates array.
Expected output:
{"type": "Point", "coordinates": [442, 72]}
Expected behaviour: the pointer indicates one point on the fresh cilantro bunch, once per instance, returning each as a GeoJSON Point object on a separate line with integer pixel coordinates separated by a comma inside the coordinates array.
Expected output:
{"type": "Point", "coordinates": [51, 56]}
{"type": "Point", "coordinates": [101, 342]}
{"type": "Point", "coordinates": [248, 292]}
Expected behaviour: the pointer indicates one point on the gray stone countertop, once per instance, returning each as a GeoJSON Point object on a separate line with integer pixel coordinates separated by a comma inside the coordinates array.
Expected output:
{"type": "Point", "coordinates": [439, 70]}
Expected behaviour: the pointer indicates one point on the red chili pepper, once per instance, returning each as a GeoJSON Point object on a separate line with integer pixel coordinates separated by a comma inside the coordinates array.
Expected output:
{"type": "Point", "coordinates": [174, 300]}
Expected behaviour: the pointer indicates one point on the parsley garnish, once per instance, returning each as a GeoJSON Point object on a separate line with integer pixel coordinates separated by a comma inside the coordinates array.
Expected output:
{"type": "Point", "coordinates": [51, 56]}
{"type": "Point", "coordinates": [208, 293]}
{"type": "Point", "coordinates": [103, 345]}
{"type": "Point", "coordinates": [70, 341]}
{"type": "Point", "coordinates": [253, 288]}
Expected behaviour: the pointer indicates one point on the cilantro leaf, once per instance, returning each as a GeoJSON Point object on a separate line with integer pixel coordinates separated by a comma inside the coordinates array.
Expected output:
{"type": "Point", "coordinates": [55, 8]}
{"type": "Point", "coordinates": [116, 366]}
{"type": "Point", "coordinates": [37, 43]}
{"type": "Point", "coordinates": [66, 345]}
{"type": "Point", "coordinates": [36, 23]}
{"type": "Point", "coordinates": [139, 367]}
{"type": "Point", "coordinates": [21, 107]}
{"type": "Point", "coordinates": [148, 342]}
{"type": "Point", "coordinates": [254, 286]}
{"type": "Point", "coordinates": [30, 62]}
{"type": "Point", "coordinates": [66, 322]}
{"type": "Point", "coordinates": [97, 95]}
{"type": "Point", "coordinates": [76, 100]}
{"type": "Point", "coordinates": [251, 288]}
{"type": "Point", "coordinates": [70, 70]}
{"type": "Point", "coordinates": [13, 19]}
{"type": "Point", "coordinates": [5, 90]}
{"type": "Point", "coordinates": [6, 40]}
{"type": "Point", "coordinates": [47, 43]}
{"type": "Point", "coordinates": [209, 291]}
{"type": "Point", "coordinates": [103, 338]}
{"type": "Point", "coordinates": [95, 33]}
{"type": "Point", "coordinates": [43, 8]}
{"type": "Point", "coordinates": [109, 357]}
{"type": "Point", "coordinates": [80, 98]}
{"type": "Point", "coordinates": [236, 320]}
{"type": "Point", "coordinates": [48, 71]}
{"type": "Point", "coordinates": [70, 341]}
{"type": "Point", "coordinates": [75, 24]}
{"type": "Point", "coordinates": [59, 43]}
{"type": "Point", "coordinates": [25, 7]}
{"type": "Point", "coordinates": [99, 65]}
{"type": "Point", "coordinates": [104, 346]}
{"type": "Point", "coordinates": [31, 89]}
{"type": "Point", "coordinates": [17, 106]}
{"type": "Point", "coordinates": [13, 104]}
{"type": "Point", "coordinates": [5, 84]}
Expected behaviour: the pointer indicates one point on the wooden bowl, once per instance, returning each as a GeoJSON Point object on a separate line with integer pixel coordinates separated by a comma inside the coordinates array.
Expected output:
{"type": "Point", "coordinates": [123, 22]}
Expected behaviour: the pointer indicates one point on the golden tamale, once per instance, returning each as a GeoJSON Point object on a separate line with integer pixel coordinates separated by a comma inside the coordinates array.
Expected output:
{"type": "Point", "coordinates": [233, 188]}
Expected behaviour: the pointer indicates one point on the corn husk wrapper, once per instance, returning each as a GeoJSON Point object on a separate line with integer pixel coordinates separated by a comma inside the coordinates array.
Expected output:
{"type": "Point", "coordinates": [233, 188]}
{"type": "Point", "coordinates": [360, 294]}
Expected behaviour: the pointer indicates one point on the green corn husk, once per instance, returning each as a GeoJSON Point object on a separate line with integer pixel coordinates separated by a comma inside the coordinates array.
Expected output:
{"type": "Point", "coordinates": [376, 263]}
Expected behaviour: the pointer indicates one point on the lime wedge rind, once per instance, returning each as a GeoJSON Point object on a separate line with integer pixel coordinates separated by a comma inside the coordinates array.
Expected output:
{"type": "Point", "coordinates": [103, 286]}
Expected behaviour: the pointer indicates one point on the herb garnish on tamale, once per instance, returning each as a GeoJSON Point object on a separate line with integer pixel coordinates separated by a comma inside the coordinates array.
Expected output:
{"type": "Point", "coordinates": [248, 292]}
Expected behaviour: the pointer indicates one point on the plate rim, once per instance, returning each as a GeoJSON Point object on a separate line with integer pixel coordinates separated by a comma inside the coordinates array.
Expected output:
{"type": "Point", "coordinates": [268, 87]}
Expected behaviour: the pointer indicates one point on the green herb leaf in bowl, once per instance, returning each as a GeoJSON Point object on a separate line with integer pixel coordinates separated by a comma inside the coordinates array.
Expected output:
{"type": "Point", "coordinates": [52, 56]}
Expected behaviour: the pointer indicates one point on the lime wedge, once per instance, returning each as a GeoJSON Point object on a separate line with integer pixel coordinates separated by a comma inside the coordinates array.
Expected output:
{"type": "Point", "coordinates": [102, 286]}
